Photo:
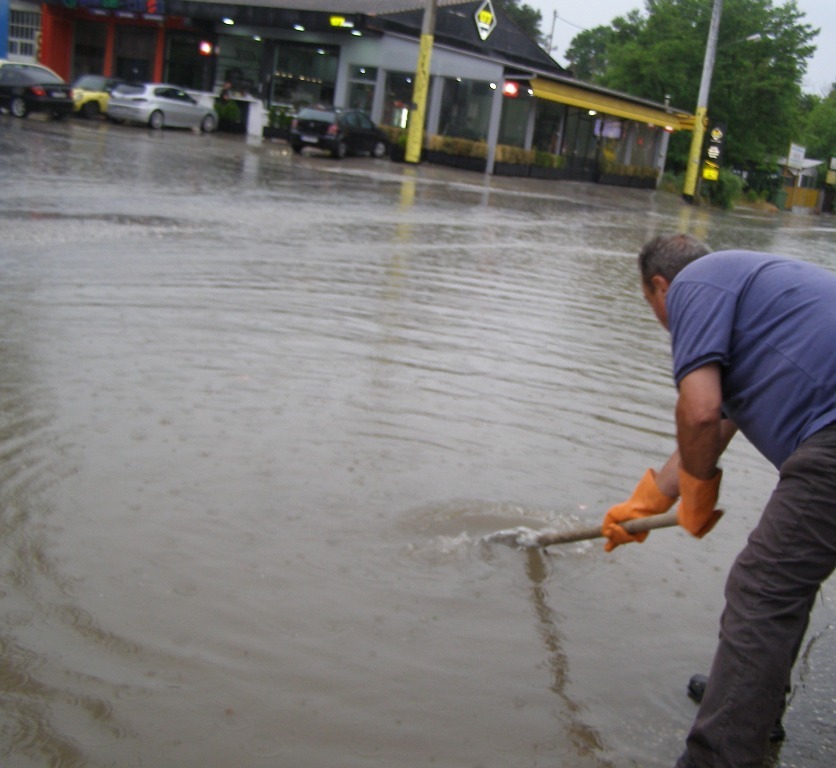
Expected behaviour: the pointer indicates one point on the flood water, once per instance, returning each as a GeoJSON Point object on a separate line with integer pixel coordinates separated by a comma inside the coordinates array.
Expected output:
{"type": "Point", "coordinates": [257, 414]}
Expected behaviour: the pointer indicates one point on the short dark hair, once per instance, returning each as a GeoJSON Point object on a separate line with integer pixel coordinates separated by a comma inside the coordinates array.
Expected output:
{"type": "Point", "coordinates": [668, 255]}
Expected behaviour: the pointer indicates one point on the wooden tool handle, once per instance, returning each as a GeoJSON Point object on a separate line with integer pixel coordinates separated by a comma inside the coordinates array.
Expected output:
{"type": "Point", "coordinates": [639, 525]}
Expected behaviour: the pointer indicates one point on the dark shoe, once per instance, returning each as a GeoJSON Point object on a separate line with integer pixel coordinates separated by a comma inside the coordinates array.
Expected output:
{"type": "Point", "coordinates": [696, 687]}
{"type": "Point", "coordinates": [696, 690]}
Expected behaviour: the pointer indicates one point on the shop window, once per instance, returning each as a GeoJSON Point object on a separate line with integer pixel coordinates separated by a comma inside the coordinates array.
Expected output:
{"type": "Point", "coordinates": [89, 48]}
{"type": "Point", "coordinates": [361, 87]}
{"type": "Point", "coordinates": [548, 126]}
{"type": "Point", "coordinates": [514, 124]}
{"type": "Point", "coordinates": [609, 131]}
{"type": "Point", "coordinates": [239, 63]}
{"type": "Point", "coordinates": [184, 64]}
{"type": "Point", "coordinates": [304, 74]}
{"type": "Point", "coordinates": [465, 109]}
{"type": "Point", "coordinates": [399, 88]}
{"type": "Point", "coordinates": [24, 31]}
{"type": "Point", "coordinates": [642, 148]}
{"type": "Point", "coordinates": [136, 47]}
{"type": "Point", "coordinates": [580, 145]}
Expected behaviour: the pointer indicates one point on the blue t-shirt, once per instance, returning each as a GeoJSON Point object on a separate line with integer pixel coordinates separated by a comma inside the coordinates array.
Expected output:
{"type": "Point", "coordinates": [770, 322]}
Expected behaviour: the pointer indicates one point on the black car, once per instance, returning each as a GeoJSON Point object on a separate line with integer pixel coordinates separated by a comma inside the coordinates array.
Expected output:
{"type": "Point", "coordinates": [338, 131]}
{"type": "Point", "coordinates": [26, 88]}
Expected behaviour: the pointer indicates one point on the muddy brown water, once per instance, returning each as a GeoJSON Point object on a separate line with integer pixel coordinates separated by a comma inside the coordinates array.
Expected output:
{"type": "Point", "coordinates": [257, 412]}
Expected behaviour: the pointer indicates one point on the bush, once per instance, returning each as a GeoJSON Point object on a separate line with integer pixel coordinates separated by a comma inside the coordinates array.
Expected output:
{"type": "Point", "coordinates": [278, 117]}
{"type": "Point", "coordinates": [725, 192]}
{"type": "Point", "coordinates": [228, 111]}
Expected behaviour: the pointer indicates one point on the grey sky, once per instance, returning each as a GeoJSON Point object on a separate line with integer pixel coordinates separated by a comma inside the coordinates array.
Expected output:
{"type": "Point", "coordinates": [574, 16]}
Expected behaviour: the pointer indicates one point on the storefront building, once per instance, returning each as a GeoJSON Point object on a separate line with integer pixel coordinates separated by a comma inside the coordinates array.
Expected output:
{"type": "Point", "coordinates": [489, 83]}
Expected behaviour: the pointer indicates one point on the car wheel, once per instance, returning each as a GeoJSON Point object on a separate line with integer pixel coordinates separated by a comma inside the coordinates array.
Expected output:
{"type": "Point", "coordinates": [18, 107]}
{"type": "Point", "coordinates": [207, 125]}
{"type": "Point", "coordinates": [379, 149]}
{"type": "Point", "coordinates": [157, 120]}
{"type": "Point", "coordinates": [340, 149]}
{"type": "Point", "coordinates": [90, 110]}
{"type": "Point", "coordinates": [297, 148]}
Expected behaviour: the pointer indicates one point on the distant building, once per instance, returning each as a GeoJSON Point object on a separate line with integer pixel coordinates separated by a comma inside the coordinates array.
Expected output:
{"type": "Point", "coordinates": [489, 82]}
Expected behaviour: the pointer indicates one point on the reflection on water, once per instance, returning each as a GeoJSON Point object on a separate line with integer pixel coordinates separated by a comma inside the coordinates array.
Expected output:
{"type": "Point", "coordinates": [257, 415]}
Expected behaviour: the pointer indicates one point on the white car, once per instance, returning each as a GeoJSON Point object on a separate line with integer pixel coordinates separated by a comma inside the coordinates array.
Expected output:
{"type": "Point", "coordinates": [159, 105]}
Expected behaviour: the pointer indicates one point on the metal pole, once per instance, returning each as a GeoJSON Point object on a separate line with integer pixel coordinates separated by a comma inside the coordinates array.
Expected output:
{"type": "Point", "coordinates": [415, 130]}
{"type": "Point", "coordinates": [702, 105]}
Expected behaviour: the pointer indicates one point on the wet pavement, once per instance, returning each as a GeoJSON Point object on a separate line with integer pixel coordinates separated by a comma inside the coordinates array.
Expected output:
{"type": "Point", "coordinates": [257, 413]}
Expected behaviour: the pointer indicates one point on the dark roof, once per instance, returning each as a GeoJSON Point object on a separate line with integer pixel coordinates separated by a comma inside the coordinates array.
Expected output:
{"type": "Point", "coordinates": [455, 23]}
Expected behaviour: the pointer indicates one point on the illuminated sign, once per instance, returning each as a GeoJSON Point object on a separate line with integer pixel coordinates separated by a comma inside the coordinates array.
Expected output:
{"type": "Point", "coordinates": [131, 6]}
{"type": "Point", "coordinates": [511, 89]}
{"type": "Point", "coordinates": [485, 19]}
{"type": "Point", "coordinates": [714, 152]}
{"type": "Point", "coordinates": [340, 21]}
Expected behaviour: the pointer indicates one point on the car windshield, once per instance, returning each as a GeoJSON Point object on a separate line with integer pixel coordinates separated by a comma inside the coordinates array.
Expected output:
{"type": "Point", "coordinates": [316, 114]}
{"type": "Point", "coordinates": [35, 75]}
{"type": "Point", "coordinates": [129, 90]}
{"type": "Point", "coordinates": [91, 82]}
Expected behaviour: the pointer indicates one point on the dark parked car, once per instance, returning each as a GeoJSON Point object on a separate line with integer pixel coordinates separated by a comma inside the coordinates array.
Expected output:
{"type": "Point", "coordinates": [338, 131]}
{"type": "Point", "coordinates": [26, 88]}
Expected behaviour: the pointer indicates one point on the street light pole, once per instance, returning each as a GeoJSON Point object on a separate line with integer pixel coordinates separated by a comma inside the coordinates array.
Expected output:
{"type": "Point", "coordinates": [415, 129]}
{"type": "Point", "coordinates": [690, 187]}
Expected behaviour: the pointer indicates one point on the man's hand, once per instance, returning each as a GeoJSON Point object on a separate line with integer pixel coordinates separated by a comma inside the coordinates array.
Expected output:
{"type": "Point", "coordinates": [697, 513]}
{"type": "Point", "coordinates": [646, 500]}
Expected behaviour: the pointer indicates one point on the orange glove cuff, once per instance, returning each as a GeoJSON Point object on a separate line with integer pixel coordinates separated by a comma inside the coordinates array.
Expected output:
{"type": "Point", "coordinates": [646, 500]}
{"type": "Point", "coordinates": [697, 513]}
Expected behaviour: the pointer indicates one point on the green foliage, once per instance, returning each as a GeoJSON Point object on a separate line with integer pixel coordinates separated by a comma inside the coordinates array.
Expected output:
{"type": "Point", "coordinates": [587, 55]}
{"type": "Point", "coordinates": [528, 19]}
{"type": "Point", "coordinates": [505, 153]}
{"type": "Point", "coordinates": [725, 192]}
{"type": "Point", "coordinates": [756, 84]}
{"type": "Point", "coordinates": [228, 111]}
{"type": "Point", "coordinates": [278, 117]}
{"type": "Point", "coordinates": [455, 146]}
{"type": "Point", "coordinates": [548, 160]}
{"type": "Point", "coordinates": [819, 134]}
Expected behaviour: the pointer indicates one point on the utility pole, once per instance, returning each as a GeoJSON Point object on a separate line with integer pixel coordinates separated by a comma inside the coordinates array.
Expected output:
{"type": "Point", "coordinates": [695, 154]}
{"type": "Point", "coordinates": [417, 115]}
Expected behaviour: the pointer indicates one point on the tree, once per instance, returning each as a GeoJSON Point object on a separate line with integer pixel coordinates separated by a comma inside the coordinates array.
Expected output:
{"type": "Point", "coordinates": [756, 83]}
{"type": "Point", "coordinates": [819, 134]}
{"type": "Point", "coordinates": [587, 55]}
{"type": "Point", "coordinates": [528, 19]}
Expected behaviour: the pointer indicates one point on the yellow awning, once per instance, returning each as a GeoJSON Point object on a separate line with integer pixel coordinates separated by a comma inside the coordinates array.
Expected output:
{"type": "Point", "coordinates": [610, 104]}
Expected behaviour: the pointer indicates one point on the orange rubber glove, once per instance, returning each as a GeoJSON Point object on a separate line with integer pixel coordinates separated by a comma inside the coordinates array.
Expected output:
{"type": "Point", "coordinates": [646, 500]}
{"type": "Point", "coordinates": [697, 513]}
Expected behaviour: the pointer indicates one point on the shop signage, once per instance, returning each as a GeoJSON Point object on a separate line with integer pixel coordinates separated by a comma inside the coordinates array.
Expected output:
{"type": "Point", "coordinates": [485, 19]}
{"type": "Point", "coordinates": [132, 6]}
{"type": "Point", "coordinates": [795, 159]}
{"type": "Point", "coordinates": [714, 152]}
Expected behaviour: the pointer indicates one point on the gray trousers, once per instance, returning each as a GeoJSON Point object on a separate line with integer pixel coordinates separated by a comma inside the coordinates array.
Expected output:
{"type": "Point", "coordinates": [770, 592]}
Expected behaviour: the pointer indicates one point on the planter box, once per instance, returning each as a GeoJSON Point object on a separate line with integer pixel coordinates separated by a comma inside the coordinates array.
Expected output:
{"type": "Point", "coordinates": [457, 161]}
{"type": "Point", "coordinates": [614, 180]}
{"type": "Point", "coordinates": [275, 133]}
{"type": "Point", "coordinates": [230, 126]}
{"type": "Point", "coordinates": [511, 169]}
{"type": "Point", "coordinates": [541, 172]}
{"type": "Point", "coordinates": [642, 182]}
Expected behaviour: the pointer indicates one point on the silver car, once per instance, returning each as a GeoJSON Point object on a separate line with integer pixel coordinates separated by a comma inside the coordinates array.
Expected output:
{"type": "Point", "coordinates": [159, 105]}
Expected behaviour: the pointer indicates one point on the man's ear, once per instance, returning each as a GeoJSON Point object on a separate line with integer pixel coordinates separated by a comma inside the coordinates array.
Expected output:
{"type": "Point", "coordinates": [660, 285]}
